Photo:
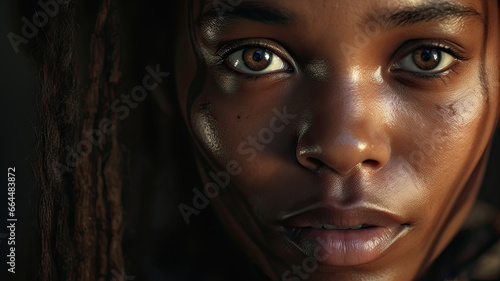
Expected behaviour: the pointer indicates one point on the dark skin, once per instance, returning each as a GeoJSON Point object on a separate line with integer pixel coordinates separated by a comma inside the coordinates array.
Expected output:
{"type": "Point", "coordinates": [399, 123]}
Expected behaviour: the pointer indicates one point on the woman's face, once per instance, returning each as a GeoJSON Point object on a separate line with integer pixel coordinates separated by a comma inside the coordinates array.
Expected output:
{"type": "Point", "coordinates": [339, 140]}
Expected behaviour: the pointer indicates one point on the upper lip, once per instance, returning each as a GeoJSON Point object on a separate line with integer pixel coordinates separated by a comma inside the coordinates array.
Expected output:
{"type": "Point", "coordinates": [341, 217]}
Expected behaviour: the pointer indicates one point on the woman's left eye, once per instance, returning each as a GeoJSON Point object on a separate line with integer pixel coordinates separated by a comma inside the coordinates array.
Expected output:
{"type": "Point", "coordinates": [426, 61]}
{"type": "Point", "coordinates": [256, 60]}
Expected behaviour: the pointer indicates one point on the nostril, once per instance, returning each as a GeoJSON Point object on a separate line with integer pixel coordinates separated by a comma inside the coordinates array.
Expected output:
{"type": "Point", "coordinates": [313, 164]}
{"type": "Point", "coordinates": [371, 163]}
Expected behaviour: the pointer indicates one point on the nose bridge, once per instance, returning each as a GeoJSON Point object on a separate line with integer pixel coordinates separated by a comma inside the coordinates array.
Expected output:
{"type": "Point", "coordinates": [347, 119]}
{"type": "Point", "coordinates": [350, 101]}
{"type": "Point", "coordinates": [347, 126]}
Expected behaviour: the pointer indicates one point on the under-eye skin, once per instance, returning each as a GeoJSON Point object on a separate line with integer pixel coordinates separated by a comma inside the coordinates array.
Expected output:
{"type": "Point", "coordinates": [429, 60]}
{"type": "Point", "coordinates": [255, 57]}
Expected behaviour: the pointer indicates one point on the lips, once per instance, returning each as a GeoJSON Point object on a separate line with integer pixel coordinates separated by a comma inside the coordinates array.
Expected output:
{"type": "Point", "coordinates": [344, 236]}
{"type": "Point", "coordinates": [332, 227]}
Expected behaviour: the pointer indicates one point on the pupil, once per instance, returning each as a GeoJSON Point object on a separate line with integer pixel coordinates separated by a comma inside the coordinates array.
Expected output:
{"type": "Point", "coordinates": [257, 56]}
{"type": "Point", "coordinates": [428, 55]}
{"type": "Point", "coordinates": [427, 59]}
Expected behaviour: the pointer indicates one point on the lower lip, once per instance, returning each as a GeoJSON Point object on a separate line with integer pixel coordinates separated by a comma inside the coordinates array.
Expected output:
{"type": "Point", "coordinates": [345, 247]}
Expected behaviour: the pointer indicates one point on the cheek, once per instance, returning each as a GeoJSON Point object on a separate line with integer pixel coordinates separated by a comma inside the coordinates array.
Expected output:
{"type": "Point", "coordinates": [236, 118]}
{"type": "Point", "coordinates": [234, 128]}
{"type": "Point", "coordinates": [443, 147]}
{"type": "Point", "coordinates": [253, 128]}
{"type": "Point", "coordinates": [207, 130]}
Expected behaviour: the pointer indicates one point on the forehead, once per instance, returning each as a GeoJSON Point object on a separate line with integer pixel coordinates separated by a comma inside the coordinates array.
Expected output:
{"type": "Point", "coordinates": [313, 18]}
{"type": "Point", "coordinates": [286, 11]}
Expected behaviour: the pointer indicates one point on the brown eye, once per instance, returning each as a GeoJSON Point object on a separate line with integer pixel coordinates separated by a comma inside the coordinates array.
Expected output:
{"type": "Point", "coordinates": [427, 59]}
{"type": "Point", "coordinates": [257, 59]}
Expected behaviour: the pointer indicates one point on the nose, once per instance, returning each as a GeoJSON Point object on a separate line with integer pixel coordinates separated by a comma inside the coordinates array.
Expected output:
{"type": "Point", "coordinates": [345, 129]}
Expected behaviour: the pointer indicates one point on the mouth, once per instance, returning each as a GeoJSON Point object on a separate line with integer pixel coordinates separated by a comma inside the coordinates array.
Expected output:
{"type": "Point", "coordinates": [344, 237]}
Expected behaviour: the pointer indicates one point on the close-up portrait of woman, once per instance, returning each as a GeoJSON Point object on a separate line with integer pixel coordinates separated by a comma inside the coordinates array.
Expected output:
{"type": "Point", "coordinates": [259, 140]}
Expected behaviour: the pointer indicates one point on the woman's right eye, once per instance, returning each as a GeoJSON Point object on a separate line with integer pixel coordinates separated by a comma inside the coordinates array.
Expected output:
{"type": "Point", "coordinates": [257, 60]}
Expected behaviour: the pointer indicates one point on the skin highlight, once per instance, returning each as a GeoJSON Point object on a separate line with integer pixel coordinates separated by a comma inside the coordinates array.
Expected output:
{"type": "Point", "coordinates": [359, 131]}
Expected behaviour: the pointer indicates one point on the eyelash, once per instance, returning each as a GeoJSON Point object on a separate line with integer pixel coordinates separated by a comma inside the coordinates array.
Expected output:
{"type": "Point", "coordinates": [441, 45]}
{"type": "Point", "coordinates": [234, 46]}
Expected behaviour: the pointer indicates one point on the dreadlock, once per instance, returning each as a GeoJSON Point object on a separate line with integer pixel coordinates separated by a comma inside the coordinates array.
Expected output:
{"type": "Point", "coordinates": [79, 208]}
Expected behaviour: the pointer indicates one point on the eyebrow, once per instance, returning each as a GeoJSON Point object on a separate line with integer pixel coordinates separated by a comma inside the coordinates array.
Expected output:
{"type": "Point", "coordinates": [431, 11]}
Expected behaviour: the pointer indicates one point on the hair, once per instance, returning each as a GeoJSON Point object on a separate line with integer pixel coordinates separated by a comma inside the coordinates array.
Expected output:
{"type": "Point", "coordinates": [90, 216]}
{"type": "Point", "coordinates": [80, 208]}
